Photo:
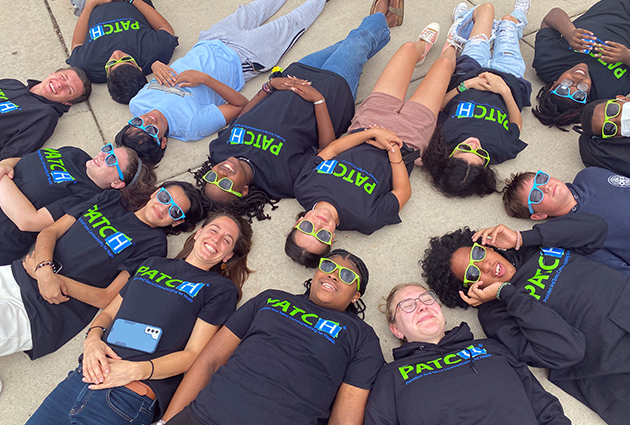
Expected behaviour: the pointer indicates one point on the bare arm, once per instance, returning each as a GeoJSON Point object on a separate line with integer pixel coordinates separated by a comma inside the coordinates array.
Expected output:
{"type": "Point", "coordinates": [349, 406]}
{"type": "Point", "coordinates": [578, 38]}
{"type": "Point", "coordinates": [81, 29]}
{"type": "Point", "coordinates": [401, 187]}
{"type": "Point", "coordinates": [153, 17]}
{"type": "Point", "coordinates": [215, 354]}
{"type": "Point", "coordinates": [97, 297]}
{"type": "Point", "coordinates": [7, 165]}
{"type": "Point", "coordinates": [384, 139]}
{"type": "Point", "coordinates": [19, 209]}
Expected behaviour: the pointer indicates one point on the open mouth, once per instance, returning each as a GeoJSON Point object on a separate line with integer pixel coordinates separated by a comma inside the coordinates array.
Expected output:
{"type": "Point", "coordinates": [328, 286]}
{"type": "Point", "coordinates": [210, 248]}
{"type": "Point", "coordinates": [52, 87]}
{"type": "Point", "coordinates": [499, 270]}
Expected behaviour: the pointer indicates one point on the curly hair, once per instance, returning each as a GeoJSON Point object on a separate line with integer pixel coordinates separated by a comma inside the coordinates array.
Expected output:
{"type": "Point", "coordinates": [586, 119]}
{"type": "Point", "coordinates": [142, 143]}
{"type": "Point", "coordinates": [556, 111]}
{"type": "Point", "coordinates": [358, 307]}
{"type": "Point", "coordinates": [197, 211]}
{"type": "Point", "coordinates": [436, 266]}
{"type": "Point", "coordinates": [512, 201]}
{"type": "Point", "coordinates": [301, 255]}
{"type": "Point", "coordinates": [236, 267]}
{"type": "Point", "coordinates": [251, 205]}
{"type": "Point", "coordinates": [124, 82]}
{"type": "Point", "coordinates": [455, 177]}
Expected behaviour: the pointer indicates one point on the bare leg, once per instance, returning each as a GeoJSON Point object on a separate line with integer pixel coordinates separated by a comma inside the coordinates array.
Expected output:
{"type": "Point", "coordinates": [433, 87]}
{"type": "Point", "coordinates": [395, 78]}
{"type": "Point", "coordinates": [483, 16]}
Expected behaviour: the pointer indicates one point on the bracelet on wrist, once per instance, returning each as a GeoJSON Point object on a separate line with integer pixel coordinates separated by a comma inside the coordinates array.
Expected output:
{"type": "Point", "coordinates": [396, 162]}
{"type": "Point", "coordinates": [461, 87]}
{"type": "Point", "coordinates": [160, 422]}
{"type": "Point", "coordinates": [501, 287]}
{"type": "Point", "coordinates": [152, 369]}
{"type": "Point", "coordinates": [519, 240]}
{"type": "Point", "coordinates": [44, 263]}
{"type": "Point", "coordinates": [94, 327]}
{"type": "Point", "coordinates": [268, 88]}
{"type": "Point", "coordinates": [319, 102]}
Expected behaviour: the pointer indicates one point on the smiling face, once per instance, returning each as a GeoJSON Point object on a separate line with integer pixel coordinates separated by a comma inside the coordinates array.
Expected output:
{"type": "Point", "coordinates": [578, 74]}
{"type": "Point", "coordinates": [425, 324]}
{"type": "Point", "coordinates": [470, 157]}
{"type": "Point", "coordinates": [557, 200]}
{"type": "Point", "coordinates": [321, 219]}
{"type": "Point", "coordinates": [61, 86]}
{"type": "Point", "coordinates": [235, 170]}
{"type": "Point", "coordinates": [155, 213]}
{"type": "Point", "coordinates": [102, 174]}
{"type": "Point", "coordinates": [329, 291]}
{"type": "Point", "coordinates": [494, 268]}
{"type": "Point", "coordinates": [214, 243]}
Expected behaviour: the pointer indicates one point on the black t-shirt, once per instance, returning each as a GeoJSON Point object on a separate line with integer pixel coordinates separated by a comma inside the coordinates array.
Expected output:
{"type": "Point", "coordinates": [280, 133]}
{"type": "Point", "coordinates": [105, 240]}
{"type": "Point", "coordinates": [484, 115]}
{"type": "Point", "coordinates": [292, 358]}
{"type": "Point", "coordinates": [608, 20]}
{"type": "Point", "coordinates": [120, 26]}
{"type": "Point", "coordinates": [171, 295]}
{"type": "Point", "coordinates": [26, 119]}
{"type": "Point", "coordinates": [50, 178]}
{"type": "Point", "coordinates": [357, 183]}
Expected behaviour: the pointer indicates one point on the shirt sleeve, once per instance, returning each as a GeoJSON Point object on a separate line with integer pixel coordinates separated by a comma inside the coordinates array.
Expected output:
{"type": "Point", "coordinates": [533, 332]}
{"type": "Point", "coordinates": [547, 57]}
{"type": "Point", "coordinates": [220, 307]}
{"type": "Point", "coordinates": [381, 406]}
{"type": "Point", "coordinates": [581, 232]}
{"type": "Point", "coordinates": [242, 318]}
{"type": "Point", "coordinates": [208, 120]}
{"type": "Point", "coordinates": [78, 209]}
{"type": "Point", "coordinates": [364, 366]}
{"type": "Point", "coordinates": [58, 208]}
{"type": "Point", "coordinates": [386, 209]}
{"type": "Point", "coordinates": [165, 45]}
{"type": "Point", "coordinates": [32, 134]}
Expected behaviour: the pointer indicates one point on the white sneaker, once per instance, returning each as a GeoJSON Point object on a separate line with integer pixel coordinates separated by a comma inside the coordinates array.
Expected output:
{"type": "Point", "coordinates": [522, 5]}
{"type": "Point", "coordinates": [429, 35]}
{"type": "Point", "coordinates": [452, 39]}
{"type": "Point", "coordinates": [460, 10]}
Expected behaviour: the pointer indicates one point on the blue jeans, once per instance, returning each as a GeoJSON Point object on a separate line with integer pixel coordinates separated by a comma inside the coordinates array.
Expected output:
{"type": "Point", "coordinates": [347, 57]}
{"type": "Point", "coordinates": [71, 402]}
{"type": "Point", "coordinates": [507, 52]}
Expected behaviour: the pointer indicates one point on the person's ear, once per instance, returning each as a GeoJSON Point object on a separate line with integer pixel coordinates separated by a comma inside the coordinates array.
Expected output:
{"type": "Point", "coordinates": [245, 190]}
{"type": "Point", "coordinates": [538, 216]}
{"type": "Point", "coordinates": [118, 184]}
{"type": "Point", "coordinates": [356, 297]}
{"type": "Point", "coordinates": [225, 260]}
{"type": "Point", "coordinates": [163, 143]}
{"type": "Point", "coordinates": [397, 333]}
{"type": "Point", "coordinates": [622, 97]}
{"type": "Point", "coordinates": [197, 233]}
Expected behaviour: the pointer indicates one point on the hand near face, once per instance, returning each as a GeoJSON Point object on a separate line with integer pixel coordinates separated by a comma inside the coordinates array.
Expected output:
{"type": "Point", "coordinates": [612, 52]}
{"type": "Point", "coordinates": [581, 40]}
{"type": "Point", "coordinates": [499, 236]}
{"type": "Point", "coordinates": [478, 295]}
{"type": "Point", "coordinates": [164, 74]}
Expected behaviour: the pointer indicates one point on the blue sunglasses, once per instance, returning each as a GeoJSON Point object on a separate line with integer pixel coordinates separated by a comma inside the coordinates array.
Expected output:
{"type": "Point", "coordinates": [536, 195]}
{"type": "Point", "coordinates": [111, 159]}
{"type": "Point", "coordinates": [174, 211]}
{"type": "Point", "coordinates": [150, 129]}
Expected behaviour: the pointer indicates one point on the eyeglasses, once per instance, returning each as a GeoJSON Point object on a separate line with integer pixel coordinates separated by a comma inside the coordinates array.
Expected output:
{"type": "Point", "coordinates": [111, 159]}
{"type": "Point", "coordinates": [481, 153]}
{"type": "Point", "coordinates": [123, 59]}
{"type": "Point", "coordinates": [409, 305]}
{"type": "Point", "coordinates": [564, 90]}
{"type": "Point", "coordinates": [609, 129]}
{"type": "Point", "coordinates": [150, 129]}
{"type": "Point", "coordinates": [307, 227]}
{"type": "Point", "coordinates": [472, 274]}
{"type": "Point", "coordinates": [536, 195]}
{"type": "Point", "coordinates": [225, 184]}
{"type": "Point", "coordinates": [174, 211]}
{"type": "Point", "coordinates": [346, 275]}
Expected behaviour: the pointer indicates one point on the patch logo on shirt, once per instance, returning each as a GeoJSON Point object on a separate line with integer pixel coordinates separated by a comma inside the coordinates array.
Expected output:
{"type": "Point", "coordinates": [7, 105]}
{"type": "Point", "coordinates": [550, 263]}
{"type": "Point", "coordinates": [411, 373]}
{"type": "Point", "coordinates": [53, 166]}
{"type": "Point", "coordinates": [327, 328]}
{"type": "Point", "coordinates": [101, 229]}
{"type": "Point", "coordinates": [156, 278]}
{"type": "Point", "coordinates": [619, 181]}
{"type": "Point", "coordinates": [261, 139]}
{"type": "Point", "coordinates": [487, 112]}
{"type": "Point", "coordinates": [348, 172]}
{"type": "Point", "coordinates": [112, 27]}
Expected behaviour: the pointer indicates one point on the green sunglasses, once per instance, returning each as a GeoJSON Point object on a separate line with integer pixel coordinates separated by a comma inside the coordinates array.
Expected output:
{"type": "Point", "coordinates": [481, 153]}
{"type": "Point", "coordinates": [224, 184]}
{"type": "Point", "coordinates": [308, 228]}
{"type": "Point", "coordinates": [346, 275]}
{"type": "Point", "coordinates": [473, 274]}
{"type": "Point", "coordinates": [123, 59]}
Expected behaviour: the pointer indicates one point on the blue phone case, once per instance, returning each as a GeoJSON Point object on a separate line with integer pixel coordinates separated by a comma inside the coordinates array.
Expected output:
{"type": "Point", "coordinates": [134, 335]}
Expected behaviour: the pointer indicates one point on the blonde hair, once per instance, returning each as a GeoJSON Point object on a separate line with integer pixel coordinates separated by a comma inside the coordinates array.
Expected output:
{"type": "Point", "coordinates": [386, 306]}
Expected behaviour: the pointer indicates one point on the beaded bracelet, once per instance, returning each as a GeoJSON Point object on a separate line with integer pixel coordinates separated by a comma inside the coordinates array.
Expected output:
{"type": "Point", "coordinates": [43, 264]}
{"type": "Point", "coordinates": [501, 287]}
{"type": "Point", "coordinates": [94, 327]}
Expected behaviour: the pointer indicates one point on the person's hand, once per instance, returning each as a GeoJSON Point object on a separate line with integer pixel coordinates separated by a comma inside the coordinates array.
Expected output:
{"type": "Point", "coordinates": [475, 83]}
{"type": "Point", "coordinates": [6, 169]}
{"type": "Point", "coordinates": [477, 294]}
{"type": "Point", "coordinates": [493, 83]}
{"type": "Point", "coordinates": [612, 52]}
{"type": "Point", "coordinates": [581, 40]}
{"type": "Point", "coordinates": [29, 265]}
{"type": "Point", "coordinates": [498, 236]}
{"type": "Point", "coordinates": [164, 74]}
{"type": "Point", "coordinates": [287, 83]}
{"type": "Point", "coordinates": [307, 92]}
{"type": "Point", "coordinates": [121, 373]}
{"type": "Point", "coordinates": [190, 78]}
{"type": "Point", "coordinates": [96, 355]}
{"type": "Point", "coordinates": [51, 287]}
{"type": "Point", "coordinates": [384, 139]}
{"type": "Point", "coordinates": [98, 2]}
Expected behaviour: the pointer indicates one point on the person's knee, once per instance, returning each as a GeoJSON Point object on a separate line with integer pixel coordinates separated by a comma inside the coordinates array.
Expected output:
{"type": "Point", "coordinates": [485, 9]}
{"type": "Point", "coordinates": [510, 18]}
{"type": "Point", "coordinates": [409, 48]}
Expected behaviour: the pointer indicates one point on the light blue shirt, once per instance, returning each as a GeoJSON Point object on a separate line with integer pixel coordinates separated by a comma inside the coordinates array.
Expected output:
{"type": "Point", "coordinates": [192, 112]}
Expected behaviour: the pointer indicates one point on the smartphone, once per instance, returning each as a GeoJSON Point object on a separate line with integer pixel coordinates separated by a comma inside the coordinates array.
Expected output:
{"type": "Point", "coordinates": [56, 266]}
{"type": "Point", "coordinates": [134, 335]}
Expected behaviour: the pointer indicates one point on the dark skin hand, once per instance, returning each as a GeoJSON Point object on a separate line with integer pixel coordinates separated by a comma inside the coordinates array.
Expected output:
{"type": "Point", "coordinates": [612, 52]}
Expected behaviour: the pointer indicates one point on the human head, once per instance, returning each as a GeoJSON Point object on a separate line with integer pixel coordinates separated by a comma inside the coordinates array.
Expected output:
{"type": "Point", "coordinates": [344, 294]}
{"type": "Point", "coordinates": [236, 265]}
{"type": "Point", "coordinates": [454, 176]}
{"type": "Point", "coordinates": [425, 324]}
{"type": "Point", "coordinates": [306, 249]}
{"type": "Point", "coordinates": [124, 79]}
{"type": "Point", "coordinates": [147, 147]}
{"type": "Point", "coordinates": [593, 116]}
{"type": "Point", "coordinates": [558, 198]}
{"type": "Point", "coordinates": [238, 171]}
{"type": "Point", "coordinates": [250, 205]}
{"type": "Point", "coordinates": [65, 85]}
